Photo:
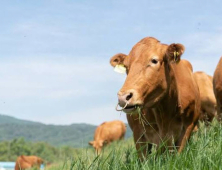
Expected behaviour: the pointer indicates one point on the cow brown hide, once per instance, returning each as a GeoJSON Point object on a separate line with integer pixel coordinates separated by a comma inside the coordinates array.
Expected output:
{"type": "Point", "coordinates": [108, 132]}
{"type": "Point", "coordinates": [207, 97]}
{"type": "Point", "coordinates": [27, 162]}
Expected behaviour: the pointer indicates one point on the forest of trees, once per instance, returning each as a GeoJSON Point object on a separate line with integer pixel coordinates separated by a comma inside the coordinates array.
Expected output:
{"type": "Point", "coordinates": [10, 150]}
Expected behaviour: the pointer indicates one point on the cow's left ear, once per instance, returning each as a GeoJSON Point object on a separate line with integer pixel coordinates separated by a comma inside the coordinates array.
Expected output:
{"type": "Point", "coordinates": [174, 52]}
{"type": "Point", "coordinates": [117, 59]}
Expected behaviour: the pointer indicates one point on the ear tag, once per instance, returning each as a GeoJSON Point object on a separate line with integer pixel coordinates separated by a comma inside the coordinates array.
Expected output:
{"type": "Point", "coordinates": [120, 68]}
{"type": "Point", "coordinates": [176, 54]}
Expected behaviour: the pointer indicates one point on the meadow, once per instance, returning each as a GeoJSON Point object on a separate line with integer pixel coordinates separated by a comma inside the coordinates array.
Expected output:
{"type": "Point", "coordinates": [203, 152]}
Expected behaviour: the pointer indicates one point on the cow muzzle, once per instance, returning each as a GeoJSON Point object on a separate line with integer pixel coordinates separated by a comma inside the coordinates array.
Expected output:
{"type": "Point", "coordinates": [125, 102]}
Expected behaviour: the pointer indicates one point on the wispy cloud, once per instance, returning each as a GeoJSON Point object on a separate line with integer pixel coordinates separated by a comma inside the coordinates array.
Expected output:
{"type": "Point", "coordinates": [52, 79]}
{"type": "Point", "coordinates": [97, 115]}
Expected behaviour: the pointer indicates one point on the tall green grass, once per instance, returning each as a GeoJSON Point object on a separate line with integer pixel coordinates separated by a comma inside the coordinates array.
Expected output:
{"type": "Point", "coordinates": [203, 152]}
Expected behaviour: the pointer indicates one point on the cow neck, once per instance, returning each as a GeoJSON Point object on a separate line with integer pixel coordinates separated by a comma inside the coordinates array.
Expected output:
{"type": "Point", "coordinates": [171, 103]}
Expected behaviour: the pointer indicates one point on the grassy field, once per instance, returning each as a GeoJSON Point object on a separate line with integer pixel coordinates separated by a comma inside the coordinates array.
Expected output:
{"type": "Point", "coordinates": [204, 151]}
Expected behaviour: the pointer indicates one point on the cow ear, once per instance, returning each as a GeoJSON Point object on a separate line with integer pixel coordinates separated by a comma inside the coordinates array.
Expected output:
{"type": "Point", "coordinates": [174, 52]}
{"type": "Point", "coordinates": [117, 59]}
{"type": "Point", "coordinates": [91, 142]}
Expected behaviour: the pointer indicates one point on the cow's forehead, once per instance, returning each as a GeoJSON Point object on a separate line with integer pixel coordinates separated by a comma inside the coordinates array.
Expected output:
{"type": "Point", "coordinates": [144, 51]}
{"type": "Point", "coordinates": [149, 40]}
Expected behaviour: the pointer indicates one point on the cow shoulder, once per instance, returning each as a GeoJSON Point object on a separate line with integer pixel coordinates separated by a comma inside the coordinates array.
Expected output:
{"type": "Point", "coordinates": [187, 64]}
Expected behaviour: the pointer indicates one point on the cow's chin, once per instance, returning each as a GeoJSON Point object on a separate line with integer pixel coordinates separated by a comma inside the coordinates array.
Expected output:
{"type": "Point", "coordinates": [133, 109]}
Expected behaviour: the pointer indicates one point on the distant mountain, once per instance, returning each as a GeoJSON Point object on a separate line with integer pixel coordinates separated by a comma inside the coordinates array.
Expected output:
{"type": "Point", "coordinates": [11, 120]}
{"type": "Point", "coordinates": [75, 135]}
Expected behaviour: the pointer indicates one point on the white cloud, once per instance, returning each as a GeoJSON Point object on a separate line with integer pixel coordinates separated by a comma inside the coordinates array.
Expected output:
{"type": "Point", "coordinates": [52, 79]}
{"type": "Point", "coordinates": [57, 91]}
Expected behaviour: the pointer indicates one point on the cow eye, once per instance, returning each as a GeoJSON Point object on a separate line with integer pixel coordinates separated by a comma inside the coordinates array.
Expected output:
{"type": "Point", "coordinates": [154, 61]}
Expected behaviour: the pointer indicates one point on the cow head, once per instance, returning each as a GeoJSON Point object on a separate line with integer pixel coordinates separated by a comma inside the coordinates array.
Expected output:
{"type": "Point", "coordinates": [40, 161]}
{"type": "Point", "coordinates": [146, 67]}
{"type": "Point", "coordinates": [97, 145]}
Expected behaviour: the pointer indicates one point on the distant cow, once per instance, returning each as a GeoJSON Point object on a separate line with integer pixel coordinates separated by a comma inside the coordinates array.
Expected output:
{"type": "Point", "coordinates": [108, 132]}
{"type": "Point", "coordinates": [207, 97]}
{"type": "Point", "coordinates": [217, 84]}
{"type": "Point", "coordinates": [27, 162]}
{"type": "Point", "coordinates": [160, 96]}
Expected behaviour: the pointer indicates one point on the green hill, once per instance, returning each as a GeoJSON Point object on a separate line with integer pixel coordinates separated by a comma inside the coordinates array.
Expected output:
{"type": "Point", "coordinates": [11, 120]}
{"type": "Point", "coordinates": [75, 135]}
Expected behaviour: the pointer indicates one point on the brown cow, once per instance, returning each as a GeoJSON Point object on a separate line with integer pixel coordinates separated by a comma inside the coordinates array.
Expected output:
{"type": "Point", "coordinates": [108, 132]}
{"type": "Point", "coordinates": [159, 95]}
{"type": "Point", "coordinates": [217, 85]}
{"type": "Point", "coordinates": [26, 162]}
{"type": "Point", "coordinates": [207, 97]}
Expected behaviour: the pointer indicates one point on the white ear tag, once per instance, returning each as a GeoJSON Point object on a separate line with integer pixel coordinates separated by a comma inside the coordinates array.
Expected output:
{"type": "Point", "coordinates": [120, 68]}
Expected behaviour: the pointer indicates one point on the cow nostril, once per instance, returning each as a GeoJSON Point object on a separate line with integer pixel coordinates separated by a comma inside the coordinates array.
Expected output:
{"type": "Point", "coordinates": [129, 96]}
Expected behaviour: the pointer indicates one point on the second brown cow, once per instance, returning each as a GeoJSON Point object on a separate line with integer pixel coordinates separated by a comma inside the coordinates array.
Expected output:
{"type": "Point", "coordinates": [207, 97]}
{"type": "Point", "coordinates": [108, 132]}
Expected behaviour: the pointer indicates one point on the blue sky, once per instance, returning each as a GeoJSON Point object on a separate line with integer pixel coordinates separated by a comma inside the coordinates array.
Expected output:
{"type": "Point", "coordinates": [54, 55]}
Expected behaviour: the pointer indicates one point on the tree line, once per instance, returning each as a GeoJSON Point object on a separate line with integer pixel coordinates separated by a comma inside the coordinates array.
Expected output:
{"type": "Point", "coordinates": [10, 150]}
